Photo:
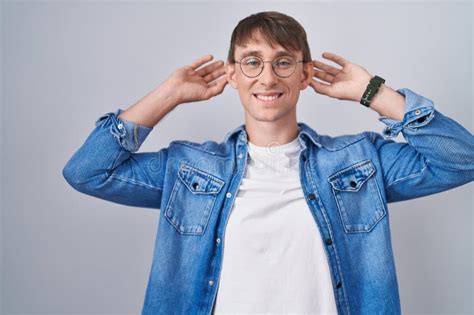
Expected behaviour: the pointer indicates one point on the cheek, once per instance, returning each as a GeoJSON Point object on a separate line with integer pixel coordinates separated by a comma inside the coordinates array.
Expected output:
{"type": "Point", "coordinates": [294, 90]}
{"type": "Point", "coordinates": [245, 96]}
{"type": "Point", "coordinates": [244, 90]}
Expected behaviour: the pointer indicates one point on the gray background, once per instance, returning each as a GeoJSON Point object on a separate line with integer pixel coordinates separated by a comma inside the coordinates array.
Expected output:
{"type": "Point", "coordinates": [66, 63]}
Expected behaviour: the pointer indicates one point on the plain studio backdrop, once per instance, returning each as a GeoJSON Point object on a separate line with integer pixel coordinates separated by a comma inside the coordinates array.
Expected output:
{"type": "Point", "coordinates": [66, 63]}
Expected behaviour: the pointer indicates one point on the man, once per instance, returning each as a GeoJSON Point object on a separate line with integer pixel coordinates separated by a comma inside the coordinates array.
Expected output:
{"type": "Point", "coordinates": [303, 216]}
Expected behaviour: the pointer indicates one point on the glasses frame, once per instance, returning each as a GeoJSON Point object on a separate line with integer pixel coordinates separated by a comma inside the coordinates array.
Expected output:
{"type": "Point", "coordinates": [266, 61]}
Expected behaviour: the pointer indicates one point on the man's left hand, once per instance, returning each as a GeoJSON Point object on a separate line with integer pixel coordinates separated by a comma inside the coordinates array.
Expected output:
{"type": "Point", "coordinates": [348, 83]}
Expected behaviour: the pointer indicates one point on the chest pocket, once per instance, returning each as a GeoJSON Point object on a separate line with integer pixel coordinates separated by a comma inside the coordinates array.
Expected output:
{"type": "Point", "coordinates": [358, 198]}
{"type": "Point", "coordinates": [192, 200]}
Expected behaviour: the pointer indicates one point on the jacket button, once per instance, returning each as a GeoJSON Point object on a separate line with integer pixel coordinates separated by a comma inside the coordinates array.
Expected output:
{"type": "Point", "coordinates": [211, 282]}
{"type": "Point", "coordinates": [328, 241]}
{"type": "Point", "coordinates": [353, 183]}
{"type": "Point", "coordinates": [228, 195]}
{"type": "Point", "coordinates": [311, 197]}
{"type": "Point", "coordinates": [195, 185]}
{"type": "Point", "coordinates": [339, 285]}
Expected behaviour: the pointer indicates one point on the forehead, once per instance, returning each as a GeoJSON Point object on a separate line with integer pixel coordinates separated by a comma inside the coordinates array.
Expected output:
{"type": "Point", "coordinates": [262, 54]}
{"type": "Point", "coordinates": [259, 46]}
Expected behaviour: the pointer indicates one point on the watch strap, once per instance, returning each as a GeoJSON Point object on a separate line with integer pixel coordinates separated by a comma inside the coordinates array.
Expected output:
{"type": "Point", "coordinates": [371, 90]}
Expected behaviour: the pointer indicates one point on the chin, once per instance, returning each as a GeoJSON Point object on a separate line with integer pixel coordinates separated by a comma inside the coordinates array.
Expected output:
{"type": "Point", "coordinates": [266, 117]}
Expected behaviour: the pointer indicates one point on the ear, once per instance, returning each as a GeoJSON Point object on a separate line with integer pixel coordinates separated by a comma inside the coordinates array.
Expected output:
{"type": "Point", "coordinates": [231, 75]}
{"type": "Point", "coordinates": [306, 75]}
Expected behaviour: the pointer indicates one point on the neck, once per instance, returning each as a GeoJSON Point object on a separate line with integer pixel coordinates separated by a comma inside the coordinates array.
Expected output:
{"type": "Point", "coordinates": [266, 133]}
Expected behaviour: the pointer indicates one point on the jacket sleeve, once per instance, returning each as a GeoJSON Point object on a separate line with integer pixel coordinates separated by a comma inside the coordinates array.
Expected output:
{"type": "Point", "coordinates": [438, 154]}
{"type": "Point", "coordinates": [107, 167]}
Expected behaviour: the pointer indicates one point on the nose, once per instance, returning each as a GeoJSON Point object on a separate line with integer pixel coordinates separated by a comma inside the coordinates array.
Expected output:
{"type": "Point", "coordinates": [268, 76]}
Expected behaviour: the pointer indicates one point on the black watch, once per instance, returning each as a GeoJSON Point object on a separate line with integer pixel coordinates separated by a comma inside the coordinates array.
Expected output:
{"type": "Point", "coordinates": [371, 90]}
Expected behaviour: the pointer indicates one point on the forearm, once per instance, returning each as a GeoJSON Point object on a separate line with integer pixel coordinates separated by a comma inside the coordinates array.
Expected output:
{"type": "Point", "coordinates": [442, 141]}
{"type": "Point", "coordinates": [389, 103]}
{"type": "Point", "coordinates": [438, 153]}
{"type": "Point", "coordinates": [95, 160]}
{"type": "Point", "coordinates": [105, 168]}
{"type": "Point", "coordinates": [152, 108]}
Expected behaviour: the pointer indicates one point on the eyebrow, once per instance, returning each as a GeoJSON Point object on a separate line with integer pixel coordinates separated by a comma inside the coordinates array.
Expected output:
{"type": "Point", "coordinates": [259, 53]}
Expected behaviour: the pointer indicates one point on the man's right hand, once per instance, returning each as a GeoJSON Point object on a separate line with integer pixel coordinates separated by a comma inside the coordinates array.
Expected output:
{"type": "Point", "coordinates": [187, 84]}
{"type": "Point", "coordinates": [190, 84]}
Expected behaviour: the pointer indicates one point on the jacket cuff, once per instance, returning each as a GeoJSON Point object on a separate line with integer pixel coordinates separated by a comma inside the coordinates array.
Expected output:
{"type": "Point", "coordinates": [128, 134]}
{"type": "Point", "coordinates": [419, 111]}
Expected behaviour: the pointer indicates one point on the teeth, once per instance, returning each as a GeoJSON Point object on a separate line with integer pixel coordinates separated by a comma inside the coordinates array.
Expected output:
{"type": "Point", "coordinates": [267, 98]}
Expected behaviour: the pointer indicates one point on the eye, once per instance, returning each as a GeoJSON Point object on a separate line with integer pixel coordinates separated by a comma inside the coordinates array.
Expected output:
{"type": "Point", "coordinates": [283, 63]}
{"type": "Point", "coordinates": [252, 61]}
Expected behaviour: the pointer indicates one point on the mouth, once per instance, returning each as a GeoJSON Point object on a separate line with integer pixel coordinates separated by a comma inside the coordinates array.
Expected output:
{"type": "Point", "coordinates": [267, 99]}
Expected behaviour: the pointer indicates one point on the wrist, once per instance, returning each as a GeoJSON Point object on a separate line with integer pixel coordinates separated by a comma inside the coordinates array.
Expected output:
{"type": "Point", "coordinates": [364, 83]}
{"type": "Point", "coordinates": [165, 97]}
{"type": "Point", "coordinates": [371, 90]}
{"type": "Point", "coordinates": [389, 103]}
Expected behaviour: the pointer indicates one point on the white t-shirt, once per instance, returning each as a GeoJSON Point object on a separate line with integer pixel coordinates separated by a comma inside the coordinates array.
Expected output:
{"type": "Point", "coordinates": [274, 259]}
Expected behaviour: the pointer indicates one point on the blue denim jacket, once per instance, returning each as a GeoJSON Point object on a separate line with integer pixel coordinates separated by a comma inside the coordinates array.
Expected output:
{"type": "Point", "coordinates": [347, 180]}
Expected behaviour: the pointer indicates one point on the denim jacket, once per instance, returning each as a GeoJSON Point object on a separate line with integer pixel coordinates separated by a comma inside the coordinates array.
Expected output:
{"type": "Point", "coordinates": [347, 181]}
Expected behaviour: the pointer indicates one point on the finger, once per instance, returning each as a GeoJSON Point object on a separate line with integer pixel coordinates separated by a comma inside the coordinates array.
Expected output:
{"type": "Point", "coordinates": [197, 63]}
{"type": "Point", "coordinates": [321, 88]}
{"type": "Point", "coordinates": [210, 67]}
{"type": "Point", "coordinates": [333, 57]}
{"type": "Point", "coordinates": [323, 76]}
{"type": "Point", "coordinates": [325, 67]}
{"type": "Point", "coordinates": [214, 75]}
{"type": "Point", "coordinates": [216, 87]}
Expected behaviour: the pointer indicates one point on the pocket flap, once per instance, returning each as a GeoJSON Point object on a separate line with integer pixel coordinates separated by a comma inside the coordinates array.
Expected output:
{"type": "Point", "coordinates": [199, 182]}
{"type": "Point", "coordinates": [352, 177]}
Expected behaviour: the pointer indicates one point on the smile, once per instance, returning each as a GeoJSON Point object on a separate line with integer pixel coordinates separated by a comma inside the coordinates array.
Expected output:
{"type": "Point", "coordinates": [268, 98]}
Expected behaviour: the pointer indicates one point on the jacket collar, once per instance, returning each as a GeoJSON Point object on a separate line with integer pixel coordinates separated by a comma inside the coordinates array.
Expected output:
{"type": "Point", "coordinates": [304, 130]}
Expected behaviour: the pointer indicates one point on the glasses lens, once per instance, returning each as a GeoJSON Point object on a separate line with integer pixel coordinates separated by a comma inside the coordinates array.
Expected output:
{"type": "Point", "coordinates": [284, 66]}
{"type": "Point", "coordinates": [251, 66]}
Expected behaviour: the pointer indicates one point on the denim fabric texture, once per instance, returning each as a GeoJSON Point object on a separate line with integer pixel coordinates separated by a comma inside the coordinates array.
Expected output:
{"type": "Point", "coordinates": [348, 181]}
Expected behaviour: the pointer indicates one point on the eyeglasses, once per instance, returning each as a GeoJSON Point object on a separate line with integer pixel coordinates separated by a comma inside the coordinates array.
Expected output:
{"type": "Point", "coordinates": [283, 67]}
